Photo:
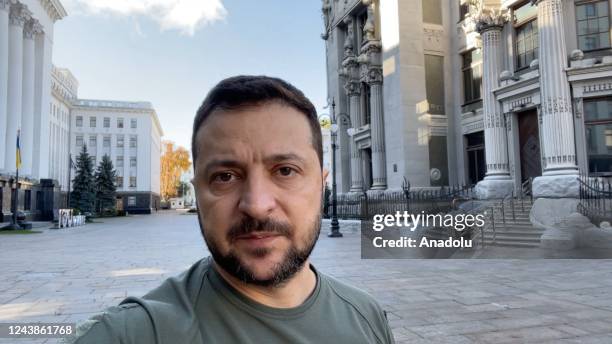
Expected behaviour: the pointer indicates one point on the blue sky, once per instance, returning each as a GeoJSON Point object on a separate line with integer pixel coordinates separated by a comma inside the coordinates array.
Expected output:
{"type": "Point", "coordinates": [171, 52]}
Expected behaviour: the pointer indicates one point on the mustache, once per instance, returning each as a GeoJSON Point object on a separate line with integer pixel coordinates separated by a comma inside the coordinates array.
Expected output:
{"type": "Point", "coordinates": [248, 225]}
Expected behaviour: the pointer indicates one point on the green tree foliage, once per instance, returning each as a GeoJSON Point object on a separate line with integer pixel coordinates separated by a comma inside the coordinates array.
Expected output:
{"type": "Point", "coordinates": [105, 186]}
{"type": "Point", "coordinates": [83, 195]}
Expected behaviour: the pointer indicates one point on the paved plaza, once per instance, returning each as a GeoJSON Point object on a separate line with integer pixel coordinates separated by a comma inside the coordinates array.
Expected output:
{"type": "Point", "coordinates": [70, 274]}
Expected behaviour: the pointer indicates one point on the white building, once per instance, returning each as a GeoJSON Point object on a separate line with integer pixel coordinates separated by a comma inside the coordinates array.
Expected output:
{"type": "Point", "coordinates": [64, 91]}
{"type": "Point", "coordinates": [128, 132]}
{"type": "Point", "coordinates": [26, 44]}
{"type": "Point", "coordinates": [498, 93]}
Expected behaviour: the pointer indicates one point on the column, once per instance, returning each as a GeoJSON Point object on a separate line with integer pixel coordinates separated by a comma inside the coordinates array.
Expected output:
{"type": "Point", "coordinates": [497, 182]}
{"type": "Point", "coordinates": [352, 89]}
{"type": "Point", "coordinates": [558, 141]}
{"type": "Point", "coordinates": [377, 130]}
{"type": "Point", "coordinates": [18, 17]}
{"type": "Point", "coordinates": [4, 57]}
{"type": "Point", "coordinates": [27, 104]}
{"type": "Point", "coordinates": [351, 74]}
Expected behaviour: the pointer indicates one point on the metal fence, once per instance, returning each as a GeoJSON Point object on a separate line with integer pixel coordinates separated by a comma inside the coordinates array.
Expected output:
{"type": "Point", "coordinates": [595, 198]}
{"type": "Point", "coordinates": [362, 205]}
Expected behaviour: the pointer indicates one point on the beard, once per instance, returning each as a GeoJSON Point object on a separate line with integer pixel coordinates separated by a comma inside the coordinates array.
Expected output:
{"type": "Point", "coordinates": [292, 261]}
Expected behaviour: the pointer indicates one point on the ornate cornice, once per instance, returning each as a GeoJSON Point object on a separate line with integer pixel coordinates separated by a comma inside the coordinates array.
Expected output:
{"type": "Point", "coordinates": [54, 9]}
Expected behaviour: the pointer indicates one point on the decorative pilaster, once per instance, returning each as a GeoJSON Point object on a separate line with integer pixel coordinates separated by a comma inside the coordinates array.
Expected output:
{"type": "Point", "coordinates": [352, 90]}
{"type": "Point", "coordinates": [4, 57]}
{"type": "Point", "coordinates": [497, 182]}
{"type": "Point", "coordinates": [350, 71]}
{"type": "Point", "coordinates": [17, 18]}
{"type": "Point", "coordinates": [377, 129]}
{"type": "Point", "coordinates": [30, 30]}
{"type": "Point", "coordinates": [558, 141]}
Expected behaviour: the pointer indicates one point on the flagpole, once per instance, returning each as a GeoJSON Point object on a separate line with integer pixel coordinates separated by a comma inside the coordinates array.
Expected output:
{"type": "Point", "coordinates": [69, 180]}
{"type": "Point", "coordinates": [16, 198]}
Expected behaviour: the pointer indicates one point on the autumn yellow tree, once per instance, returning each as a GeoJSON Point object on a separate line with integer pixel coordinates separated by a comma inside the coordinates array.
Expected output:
{"type": "Point", "coordinates": [174, 161]}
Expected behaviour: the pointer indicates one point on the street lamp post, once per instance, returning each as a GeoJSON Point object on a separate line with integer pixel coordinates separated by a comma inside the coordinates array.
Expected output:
{"type": "Point", "coordinates": [335, 226]}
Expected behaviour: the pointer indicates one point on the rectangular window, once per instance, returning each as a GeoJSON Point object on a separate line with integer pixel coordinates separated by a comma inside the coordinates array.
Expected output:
{"type": "Point", "coordinates": [472, 75]}
{"type": "Point", "coordinates": [133, 123]}
{"type": "Point", "coordinates": [119, 161]}
{"type": "Point", "coordinates": [526, 47]}
{"type": "Point", "coordinates": [120, 122]}
{"type": "Point", "coordinates": [593, 25]}
{"type": "Point", "coordinates": [432, 12]}
{"type": "Point", "coordinates": [434, 83]}
{"type": "Point", "coordinates": [79, 121]}
{"type": "Point", "coordinates": [131, 201]}
{"type": "Point", "coordinates": [79, 140]}
{"type": "Point", "coordinates": [119, 181]}
{"type": "Point", "coordinates": [132, 181]}
{"type": "Point", "coordinates": [106, 141]}
{"type": "Point", "coordinates": [133, 161]}
{"type": "Point", "coordinates": [106, 122]}
{"type": "Point", "coordinates": [526, 34]}
{"type": "Point", "coordinates": [92, 122]}
{"type": "Point", "coordinates": [133, 141]}
{"type": "Point", "coordinates": [93, 142]}
{"type": "Point", "coordinates": [598, 133]}
{"type": "Point", "coordinates": [120, 142]}
{"type": "Point", "coordinates": [27, 200]}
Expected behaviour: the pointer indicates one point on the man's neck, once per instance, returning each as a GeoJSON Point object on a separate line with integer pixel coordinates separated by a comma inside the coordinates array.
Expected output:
{"type": "Point", "coordinates": [290, 294]}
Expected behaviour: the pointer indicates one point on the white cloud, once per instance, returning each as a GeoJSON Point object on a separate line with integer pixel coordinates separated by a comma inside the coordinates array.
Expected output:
{"type": "Point", "coordinates": [183, 15]}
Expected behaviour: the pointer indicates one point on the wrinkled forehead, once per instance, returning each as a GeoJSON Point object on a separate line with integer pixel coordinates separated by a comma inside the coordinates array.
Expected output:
{"type": "Point", "coordinates": [254, 132]}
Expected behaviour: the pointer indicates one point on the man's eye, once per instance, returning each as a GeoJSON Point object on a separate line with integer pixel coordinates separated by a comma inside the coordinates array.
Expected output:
{"type": "Point", "coordinates": [286, 171]}
{"type": "Point", "coordinates": [223, 177]}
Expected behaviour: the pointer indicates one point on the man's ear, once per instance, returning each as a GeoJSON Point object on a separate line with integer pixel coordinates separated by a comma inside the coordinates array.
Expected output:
{"type": "Point", "coordinates": [324, 175]}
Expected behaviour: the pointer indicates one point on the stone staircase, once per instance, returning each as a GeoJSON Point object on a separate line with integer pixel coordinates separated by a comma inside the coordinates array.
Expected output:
{"type": "Point", "coordinates": [517, 230]}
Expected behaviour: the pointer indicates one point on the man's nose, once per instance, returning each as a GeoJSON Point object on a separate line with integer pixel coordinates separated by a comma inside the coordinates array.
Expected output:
{"type": "Point", "coordinates": [257, 199]}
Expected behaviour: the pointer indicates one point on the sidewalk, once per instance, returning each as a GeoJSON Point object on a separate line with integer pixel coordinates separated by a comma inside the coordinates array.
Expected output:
{"type": "Point", "coordinates": [69, 275]}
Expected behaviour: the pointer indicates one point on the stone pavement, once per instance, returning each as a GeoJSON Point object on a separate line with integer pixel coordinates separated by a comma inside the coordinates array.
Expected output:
{"type": "Point", "coordinates": [70, 274]}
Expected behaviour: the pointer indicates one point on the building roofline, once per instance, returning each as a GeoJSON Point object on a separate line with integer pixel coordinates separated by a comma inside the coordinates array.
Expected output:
{"type": "Point", "coordinates": [120, 105]}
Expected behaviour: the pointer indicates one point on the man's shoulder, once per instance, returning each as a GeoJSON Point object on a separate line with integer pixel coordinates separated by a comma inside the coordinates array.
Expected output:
{"type": "Point", "coordinates": [363, 304]}
{"type": "Point", "coordinates": [350, 294]}
{"type": "Point", "coordinates": [137, 318]}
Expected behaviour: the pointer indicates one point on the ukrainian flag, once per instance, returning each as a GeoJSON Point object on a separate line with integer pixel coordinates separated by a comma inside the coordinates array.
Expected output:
{"type": "Point", "coordinates": [18, 155]}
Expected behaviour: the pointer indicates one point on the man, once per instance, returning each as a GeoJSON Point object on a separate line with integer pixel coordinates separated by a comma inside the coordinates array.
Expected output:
{"type": "Point", "coordinates": [258, 176]}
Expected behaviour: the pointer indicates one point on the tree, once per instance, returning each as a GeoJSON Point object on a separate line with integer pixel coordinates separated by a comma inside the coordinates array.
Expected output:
{"type": "Point", "coordinates": [173, 163]}
{"type": "Point", "coordinates": [182, 188]}
{"type": "Point", "coordinates": [105, 185]}
{"type": "Point", "coordinates": [83, 195]}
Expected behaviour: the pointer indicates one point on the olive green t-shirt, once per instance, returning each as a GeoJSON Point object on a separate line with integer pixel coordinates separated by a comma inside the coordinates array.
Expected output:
{"type": "Point", "coordinates": [200, 307]}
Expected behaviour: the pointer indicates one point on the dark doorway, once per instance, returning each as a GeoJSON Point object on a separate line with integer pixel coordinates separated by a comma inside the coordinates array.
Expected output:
{"type": "Point", "coordinates": [529, 145]}
{"type": "Point", "coordinates": [475, 150]}
{"type": "Point", "coordinates": [367, 168]}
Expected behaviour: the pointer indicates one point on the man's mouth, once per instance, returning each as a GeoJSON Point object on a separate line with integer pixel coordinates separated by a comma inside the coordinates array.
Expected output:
{"type": "Point", "coordinates": [258, 236]}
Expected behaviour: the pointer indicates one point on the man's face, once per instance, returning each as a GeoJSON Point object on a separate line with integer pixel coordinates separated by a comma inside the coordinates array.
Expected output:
{"type": "Point", "coordinates": [258, 182]}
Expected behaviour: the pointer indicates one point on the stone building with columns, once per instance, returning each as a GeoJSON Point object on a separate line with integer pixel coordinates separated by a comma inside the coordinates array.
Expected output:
{"type": "Point", "coordinates": [486, 92]}
{"type": "Point", "coordinates": [26, 43]}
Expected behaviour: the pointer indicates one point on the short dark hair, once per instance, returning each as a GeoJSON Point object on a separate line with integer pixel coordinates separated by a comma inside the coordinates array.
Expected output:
{"type": "Point", "coordinates": [246, 90]}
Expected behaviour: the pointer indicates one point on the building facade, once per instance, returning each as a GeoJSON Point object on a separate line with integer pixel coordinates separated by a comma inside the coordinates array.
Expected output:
{"type": "Point", "coordinates": [26, 44]}
{"type": "Point", "coordinates": [130, 134]}
{"type": "Point", "coordinates": [491, 92]}
{"type": "Point", "coordinates": [64, 91]}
